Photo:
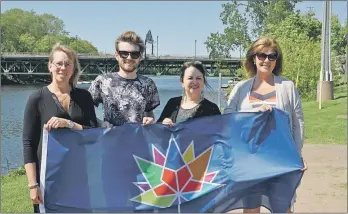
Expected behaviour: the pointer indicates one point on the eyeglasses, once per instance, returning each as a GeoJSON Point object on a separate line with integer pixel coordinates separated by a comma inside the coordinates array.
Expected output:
{"type": "Point", "coordinates": [187, 64]}
{"type": "Point", "coordinates": [60, 64]}
{"type": "Point", "coordinates": [263, 56]}
{"type": "Point", "coordinates": [125, 54]}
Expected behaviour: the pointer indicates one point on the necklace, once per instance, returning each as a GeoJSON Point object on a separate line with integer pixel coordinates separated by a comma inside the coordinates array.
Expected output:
{"type": "Point", "coordinates": [61, 101]}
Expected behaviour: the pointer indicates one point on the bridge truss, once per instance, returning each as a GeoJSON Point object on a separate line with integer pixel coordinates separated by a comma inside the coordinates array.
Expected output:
{"type": "Point", "coordinates": [35, 65]}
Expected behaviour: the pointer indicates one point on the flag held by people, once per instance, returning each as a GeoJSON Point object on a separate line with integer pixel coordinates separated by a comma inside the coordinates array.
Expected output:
{"type": "Point", "coordinates": [209, 164]}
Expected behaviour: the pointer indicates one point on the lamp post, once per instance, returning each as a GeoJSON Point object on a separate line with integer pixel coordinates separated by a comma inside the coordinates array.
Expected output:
{"type": "Point", "coordinates": [77, 44]}
{"type": "Point", "coordinates": [346, 70]}
{"type": "Point", "coordinates": [195, 47]}
{"type": "Point", "coordinates": [157, 46]}
{"type": "Point", "coordinates": [325, 86]}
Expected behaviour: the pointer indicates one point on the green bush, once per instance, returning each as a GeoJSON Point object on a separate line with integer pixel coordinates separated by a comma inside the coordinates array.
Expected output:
{"type": "Point", "coordinates": [19, 171]}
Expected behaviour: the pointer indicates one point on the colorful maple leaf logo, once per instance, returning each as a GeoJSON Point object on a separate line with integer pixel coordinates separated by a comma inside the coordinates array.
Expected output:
{"type": "Point", "coordinates": [174, 178]}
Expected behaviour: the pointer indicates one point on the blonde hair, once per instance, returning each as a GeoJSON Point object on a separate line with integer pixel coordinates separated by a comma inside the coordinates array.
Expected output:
{"type": "Point", "coordinates": [72, 56]}
{"type": "Point", "coordinates": [258, 45]}
{"type": "Point", "coordinates": [131, 37]}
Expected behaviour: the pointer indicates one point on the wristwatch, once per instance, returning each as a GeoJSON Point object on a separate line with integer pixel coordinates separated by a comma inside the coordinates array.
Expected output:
{"type": "Point", "coordinates": [71, 124]}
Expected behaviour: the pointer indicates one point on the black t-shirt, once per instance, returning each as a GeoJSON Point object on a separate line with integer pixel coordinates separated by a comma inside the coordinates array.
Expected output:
{"type": "Point", "coordinates": [41, 107]}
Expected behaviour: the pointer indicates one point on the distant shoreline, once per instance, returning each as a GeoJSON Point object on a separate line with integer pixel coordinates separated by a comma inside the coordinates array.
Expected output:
{"type": "Point", "coordinates": [21, 80]}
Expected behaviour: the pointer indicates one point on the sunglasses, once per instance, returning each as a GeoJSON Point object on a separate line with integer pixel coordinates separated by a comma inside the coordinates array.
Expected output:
{"type": "Point", "coordinates": [188, 64]}
{"type": "Point", "coordinates": [263, 56]}
{"type": "Point", "coordinates": [125, 54]}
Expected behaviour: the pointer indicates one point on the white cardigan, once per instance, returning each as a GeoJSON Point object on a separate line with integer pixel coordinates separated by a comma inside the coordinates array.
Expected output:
{"type": "Point", "coordinates": [287, 99]}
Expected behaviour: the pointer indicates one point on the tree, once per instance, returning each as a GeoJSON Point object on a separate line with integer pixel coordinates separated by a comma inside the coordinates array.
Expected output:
{"type": "Point", "coordinates": [26, 31]}
{"type": "Point", "coordinates": [45, 44]}
{"type": "Point", "coordinates": [305, 24]}
{"type": "Point", "coordinates": [338, 43]}
{"type": "Point", "coordinates": [241, 28]}
{"type": "Point", "coordinates": [83, 46]}
{"type": "Point", "coordinates": [268, 12]}
{"type": "Point", "coordinates": [53, 25]}
{"type": "Point", "coordinates": [300, 42]}
{"type": "Point", "coordinates": [27, 42]}
{"type": "Point", "coordinates": [235, 34]}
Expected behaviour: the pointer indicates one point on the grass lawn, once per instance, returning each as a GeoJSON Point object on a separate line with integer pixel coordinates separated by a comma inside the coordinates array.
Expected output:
{"type": "Point", "coordinates": [321, 127]}
{"type": "Point", "coordinates": [15, 194]}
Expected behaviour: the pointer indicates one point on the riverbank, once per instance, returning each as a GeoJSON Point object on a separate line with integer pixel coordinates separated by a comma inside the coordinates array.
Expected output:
{"type": "Point", "coordinates": [328, 125]}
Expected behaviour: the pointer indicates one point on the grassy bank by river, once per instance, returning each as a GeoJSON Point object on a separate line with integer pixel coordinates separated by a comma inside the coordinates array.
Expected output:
{"type": "Point", "coordinates": [325, 126]}
{"type": "Point", "coordinates": [15, 193]}
{"type": "Point", "coordinates": [328, 125]}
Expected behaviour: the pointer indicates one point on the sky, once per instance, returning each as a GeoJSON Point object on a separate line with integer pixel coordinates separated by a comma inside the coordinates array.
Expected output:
{"type": "Point", "coordinates": [176, 23]}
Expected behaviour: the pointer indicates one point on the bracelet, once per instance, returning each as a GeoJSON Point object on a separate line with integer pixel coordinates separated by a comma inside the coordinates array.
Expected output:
{"type": "Point", "coordinates": [33, 186]}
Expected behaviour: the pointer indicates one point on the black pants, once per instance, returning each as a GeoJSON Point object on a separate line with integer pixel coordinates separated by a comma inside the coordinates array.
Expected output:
{"type": "Point", "coordinates": [36, 208]}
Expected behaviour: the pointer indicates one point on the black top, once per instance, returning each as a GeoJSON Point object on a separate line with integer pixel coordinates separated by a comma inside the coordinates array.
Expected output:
{"type": "Point", "coordinates": [41, 106]}
{"type": "Point", "coordinates": [206, 108]}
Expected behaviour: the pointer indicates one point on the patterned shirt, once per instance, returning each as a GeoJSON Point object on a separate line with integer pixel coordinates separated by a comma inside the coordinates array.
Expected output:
{"type": "Point", "coordinates": [124, 100]}
{"type": "Point", "coordinates": [185, 114]}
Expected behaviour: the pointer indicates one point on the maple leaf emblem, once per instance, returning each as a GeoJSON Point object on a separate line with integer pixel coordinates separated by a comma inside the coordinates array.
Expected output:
{"type": "Point", "coordinates": [174, 178]}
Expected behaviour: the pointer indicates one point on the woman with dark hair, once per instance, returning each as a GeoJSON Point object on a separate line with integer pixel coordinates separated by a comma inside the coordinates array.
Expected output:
{"type": "Point", "coordinates": [266, 90]}
{"type": "Point", "coordinates": [58, 105]}
{"type": "Point", "coordinates": [192, 104]}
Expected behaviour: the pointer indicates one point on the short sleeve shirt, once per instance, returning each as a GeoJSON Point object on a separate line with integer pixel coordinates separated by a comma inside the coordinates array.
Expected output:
{"type": "Point", "coordinates": [124, 100]}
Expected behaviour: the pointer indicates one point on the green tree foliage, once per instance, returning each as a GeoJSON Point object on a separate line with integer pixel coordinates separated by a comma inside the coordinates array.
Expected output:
{"type": "Point", "coordinates": [242, 27]}
{"type": "Point", "coordinates": [235, 34]}
{"type": "Point", "coordinates": [268, 12]}
{"type": "Point", "coordinates": [83, 46]}
{"type": "Point", "coordinates": [305, 24]}
{"type": "Point", "coordinates": [26, 31]}
{"type": "Point", "coordinates": [338, 42]}
{"type": "Point", "coordinates": [301, 57]}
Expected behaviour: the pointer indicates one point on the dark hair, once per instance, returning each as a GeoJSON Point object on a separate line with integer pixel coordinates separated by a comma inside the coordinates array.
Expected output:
{"type": "Point", "coordinates": [131, 37]}
{"type": "Point", "coordinates": [258, 45]}
{"type": "Point", "coordinates": [199, 66]}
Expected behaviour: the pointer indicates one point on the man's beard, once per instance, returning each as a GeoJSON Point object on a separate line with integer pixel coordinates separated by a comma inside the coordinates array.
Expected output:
{"type": "Point", "coordinates": [127, 69]}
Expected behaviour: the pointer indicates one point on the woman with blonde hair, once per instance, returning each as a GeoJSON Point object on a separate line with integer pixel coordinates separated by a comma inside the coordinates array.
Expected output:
{"type": "Point", "coordinates": [58, 105]}
{"type": "Point", "coordinates": [265, 89]}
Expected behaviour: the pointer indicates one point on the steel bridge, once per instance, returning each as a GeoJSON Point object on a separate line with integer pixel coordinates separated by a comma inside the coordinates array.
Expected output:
{"type": "Point", "coordinates": [92, 65]}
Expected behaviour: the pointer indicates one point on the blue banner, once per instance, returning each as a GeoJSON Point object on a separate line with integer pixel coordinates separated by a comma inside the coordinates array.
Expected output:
{"type": "Point", "coordinates": [210, 164]}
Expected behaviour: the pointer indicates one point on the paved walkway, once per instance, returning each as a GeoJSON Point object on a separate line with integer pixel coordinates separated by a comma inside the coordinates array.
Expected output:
{"type": "Point", "coordinates": [324, 184]}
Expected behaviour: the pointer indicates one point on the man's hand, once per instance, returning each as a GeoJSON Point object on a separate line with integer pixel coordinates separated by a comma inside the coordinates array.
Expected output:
{"type": "Point", "coordinates": [149, 117]}
{"type": "Point", "coordinates": [148, 120]}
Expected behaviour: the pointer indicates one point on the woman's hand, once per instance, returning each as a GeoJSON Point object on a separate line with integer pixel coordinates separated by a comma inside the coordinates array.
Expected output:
{"type": "Point", "coordinates": [168, 122]}
{"type": "Point", "coordinates": [36, 195]}
{"type": "Point", "coordinates": [305, 167]}
{"type": "Point", "coordinates": [56, 122]}
{"type": "Point", "coordinates": [265, 108]}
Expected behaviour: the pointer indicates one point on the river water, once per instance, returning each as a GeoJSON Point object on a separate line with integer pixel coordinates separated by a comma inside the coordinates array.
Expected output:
{"type": "Point", "coordinates": [14, 98]}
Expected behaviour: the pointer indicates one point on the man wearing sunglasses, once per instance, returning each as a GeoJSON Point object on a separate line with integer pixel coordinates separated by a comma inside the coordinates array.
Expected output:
{"type": "Point", "coordinates": [127, 97]}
